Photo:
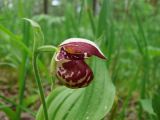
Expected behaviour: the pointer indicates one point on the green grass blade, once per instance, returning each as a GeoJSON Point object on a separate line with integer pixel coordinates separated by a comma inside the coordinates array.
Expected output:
{"type": "Point", "coordinates": [23, 68]}
{"type": "Point", "coordinates": [15, 40]}
{"type": "Point", "coordinates": [9, 112]}
{"type": "Point", "coordinates": [103, 17]}
{"type": "Point", "coordinates": [15, 104]}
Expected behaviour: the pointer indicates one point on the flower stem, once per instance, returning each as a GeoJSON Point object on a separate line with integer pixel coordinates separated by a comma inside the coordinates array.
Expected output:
{"type": "Point", "coordinates": [47, 48]}
{"type": "Point", "coordinates": [38, 80]}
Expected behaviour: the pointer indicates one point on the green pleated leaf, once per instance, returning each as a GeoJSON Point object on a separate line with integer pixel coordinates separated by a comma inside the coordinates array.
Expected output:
{"type": "Point", "coordinates": [40, 115]}
{"type": "Point", "coordinates": [90, 103]}
{"type": "Point", "coordinates": [97, 99]}
{"type": "Point", "coordinates": [69, 103]}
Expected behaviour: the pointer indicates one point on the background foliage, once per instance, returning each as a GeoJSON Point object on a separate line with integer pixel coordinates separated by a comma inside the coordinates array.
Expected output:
{"type": "Point", "coordinates": [127, 31]}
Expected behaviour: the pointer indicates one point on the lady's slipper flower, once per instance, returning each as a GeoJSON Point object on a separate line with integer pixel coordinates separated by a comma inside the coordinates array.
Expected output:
{"type": "Point", "coordinates": [71, 68]}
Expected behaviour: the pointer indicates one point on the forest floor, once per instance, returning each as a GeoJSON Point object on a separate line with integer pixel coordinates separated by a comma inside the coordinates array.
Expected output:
{"type": "Point", "coordinates": [9, 89]}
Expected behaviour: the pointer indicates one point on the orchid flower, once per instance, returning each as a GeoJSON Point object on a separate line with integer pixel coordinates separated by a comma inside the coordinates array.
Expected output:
{"type": "Point", "coordinates": [68, 62]}
{"type": "Point", "coordinates": [71, 68]}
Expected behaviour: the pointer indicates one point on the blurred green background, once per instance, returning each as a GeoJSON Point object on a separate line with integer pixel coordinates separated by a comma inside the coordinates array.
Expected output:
{"type": "Point", "coordinates": [127, 31]}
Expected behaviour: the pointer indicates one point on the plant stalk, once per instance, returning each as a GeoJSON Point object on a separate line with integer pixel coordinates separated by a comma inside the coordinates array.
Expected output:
{"type": "Point", "coordinates": [38, 81]}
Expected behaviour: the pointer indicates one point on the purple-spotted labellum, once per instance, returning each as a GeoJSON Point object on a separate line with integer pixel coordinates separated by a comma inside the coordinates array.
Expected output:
{"type": "Point", "coordinates": [71, 68]}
